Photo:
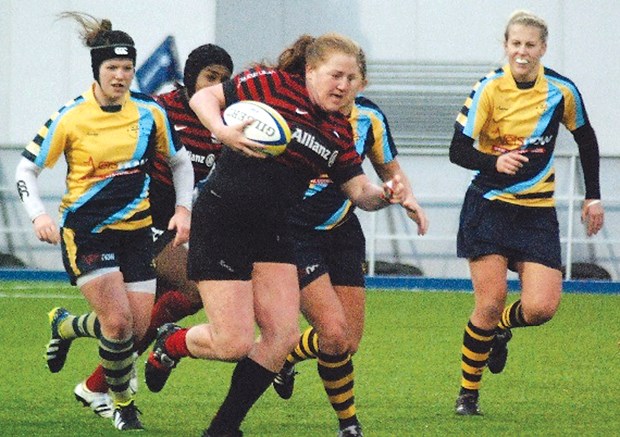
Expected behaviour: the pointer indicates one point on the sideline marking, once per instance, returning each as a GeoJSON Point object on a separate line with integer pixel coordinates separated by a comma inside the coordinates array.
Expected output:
{"type": "Point", "coordinates": [38, 296]}
{"type": "Point", "coordinates": [405, 283]}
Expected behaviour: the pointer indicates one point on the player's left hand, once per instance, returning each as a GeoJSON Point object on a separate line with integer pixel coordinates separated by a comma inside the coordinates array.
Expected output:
{"type": "Point", "coordinates": [394, 190]}
{"type": "Point", "coordinates": [592, 216]}
{"type": "Point", "coordinates": [180, 221]}
{"type": "Point", "coordinates": [417, 214]}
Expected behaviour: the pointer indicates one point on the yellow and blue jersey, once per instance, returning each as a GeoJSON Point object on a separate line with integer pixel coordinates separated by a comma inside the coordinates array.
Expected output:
{"type": "Point", "coordinates": [503, 117]}
{"type": "Point", "coordinates": [324, 206]}
{"type": "Point", "coordinates": [107, 154]}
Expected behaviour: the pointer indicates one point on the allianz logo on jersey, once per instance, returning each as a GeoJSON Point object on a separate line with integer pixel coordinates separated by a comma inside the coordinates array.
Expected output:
{"type": "Point", "coordinates": [208, 160]}
{"type": "Point", "coordinates": [309, 140]}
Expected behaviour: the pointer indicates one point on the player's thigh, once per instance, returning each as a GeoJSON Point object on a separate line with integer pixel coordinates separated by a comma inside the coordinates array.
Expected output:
{"type": "Point", "coordinates": [229, 306]}
{"type": "Point", "coordinates": [171, 264]}
{"type": "Point", "coordinates": [322, 307]}
{"type": "Point", "coordinates": [276, 297]}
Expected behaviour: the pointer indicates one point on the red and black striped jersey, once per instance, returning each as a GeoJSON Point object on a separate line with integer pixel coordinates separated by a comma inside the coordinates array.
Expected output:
{"type": "Point", "coordinates": [322, 142]}
{"type": "Point", "coordinates": [203, 148]}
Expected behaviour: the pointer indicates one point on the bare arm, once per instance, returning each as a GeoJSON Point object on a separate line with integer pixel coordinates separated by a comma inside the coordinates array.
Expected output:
{"type": "Point", "coordinates": [388, 171]}
{"type": "Point", "coordinates": [371, 197]}
{"type": "Point", "coordinates": [207, 103]}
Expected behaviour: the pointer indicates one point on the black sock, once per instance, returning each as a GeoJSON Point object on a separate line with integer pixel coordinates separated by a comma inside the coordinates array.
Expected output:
{"type": "Point", "coordinates": [249, 381]}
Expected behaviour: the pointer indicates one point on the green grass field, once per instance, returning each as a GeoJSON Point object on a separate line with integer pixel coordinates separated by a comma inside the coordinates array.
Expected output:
{"type": "Point", "coordinates": [561, 379]}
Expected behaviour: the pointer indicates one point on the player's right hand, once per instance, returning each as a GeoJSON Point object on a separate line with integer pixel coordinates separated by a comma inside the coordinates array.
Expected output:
{"type": "Point", "coordinates": [511, 162]}
{"type": "Point", "coordinates": [46, 230]}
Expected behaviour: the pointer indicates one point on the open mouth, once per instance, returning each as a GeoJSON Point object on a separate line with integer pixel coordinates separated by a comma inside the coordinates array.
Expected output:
{"type": "Point", "coordinates": [522, 61]}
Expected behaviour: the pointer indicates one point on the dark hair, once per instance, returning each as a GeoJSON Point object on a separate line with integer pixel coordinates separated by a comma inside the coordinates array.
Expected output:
{"type": "Point", "coordinates": [200, 58]}
{"type": "Point", "coordinates": [104, 42]}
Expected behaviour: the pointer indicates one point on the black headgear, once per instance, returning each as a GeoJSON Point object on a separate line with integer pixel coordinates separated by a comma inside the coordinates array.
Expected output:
{"type": "Point", "coordinates": [201, 57]}
{"type": "Point", "coordinates": [116, 44]}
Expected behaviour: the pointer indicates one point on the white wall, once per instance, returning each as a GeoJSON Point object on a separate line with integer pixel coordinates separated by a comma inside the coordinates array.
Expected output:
{"type": "Point", "coordinates": [583, 41]}
{"type": "Point", "coordinates": [45, 64]}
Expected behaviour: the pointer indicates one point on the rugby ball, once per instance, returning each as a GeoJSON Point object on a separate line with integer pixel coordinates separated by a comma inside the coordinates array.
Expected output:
{"type": "Point", "coordinates": [269, 127]}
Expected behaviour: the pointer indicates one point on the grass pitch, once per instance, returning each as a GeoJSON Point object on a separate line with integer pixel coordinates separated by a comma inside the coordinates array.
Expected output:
{"type": "Point", "coordinates": [562, 379]}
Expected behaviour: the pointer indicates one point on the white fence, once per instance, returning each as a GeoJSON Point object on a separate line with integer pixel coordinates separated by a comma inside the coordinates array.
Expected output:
{"type": "Point", "coordinates": [421, 102]}
{"type": "Point", "coordinates": [440, 188]}
{"type": "Point", "coordinates": [391, 236]}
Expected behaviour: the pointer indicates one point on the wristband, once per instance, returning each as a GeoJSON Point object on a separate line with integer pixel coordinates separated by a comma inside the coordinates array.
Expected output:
{"type": "Point", "coordinates": [594, 202]}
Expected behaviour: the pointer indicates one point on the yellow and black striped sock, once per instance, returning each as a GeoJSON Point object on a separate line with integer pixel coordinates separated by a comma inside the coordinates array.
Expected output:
{"type": "Point", "coordinates": [306, 349]}
{"type": "Point", "coordinates": [86, 325]}
{"type": "Point", "coordinates": [336, 372]}
{"type": "Point", "coordinates": [475, 353]}
{"type": "Point", "coordinates": [512, 316]}
{"type": "Point", "coordinates": [117, 358]}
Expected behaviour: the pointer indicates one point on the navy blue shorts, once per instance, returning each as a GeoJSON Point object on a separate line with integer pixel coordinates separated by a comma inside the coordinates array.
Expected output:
{"type": "Point", "coordinates": [226, 240]}
{"type": "Point", "coordinates": [341, 252]}
{"type": "Point", "coordinates": [130, 251]}
{"type": "Point", "coordinates": [516, 232]}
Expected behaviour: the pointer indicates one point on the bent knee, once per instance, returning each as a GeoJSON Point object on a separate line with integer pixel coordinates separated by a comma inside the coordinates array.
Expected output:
{"type": "Point", "coordinates": [335, 340]}
{"type": "Point", "coordinates": [234, 348]}
{"type": "Point", "coordinates": [539, 316]}
{"type": "Point", "coordinates": [490, 313]}
{"type": "Point", "coordinates": [539, 312]}
{"type": "Point", "coordinates": [117, 326]}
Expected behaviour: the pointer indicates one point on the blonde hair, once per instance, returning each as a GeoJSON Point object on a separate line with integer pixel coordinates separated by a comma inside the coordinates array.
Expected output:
{"type": "Point", "coordinates": [308, 50]}
{"type": "Point", "coordinates": [527, 18]}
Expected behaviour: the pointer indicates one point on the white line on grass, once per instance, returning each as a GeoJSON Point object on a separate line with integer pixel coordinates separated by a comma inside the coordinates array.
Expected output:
{"type": "Point", "coordinates": [38, 296]}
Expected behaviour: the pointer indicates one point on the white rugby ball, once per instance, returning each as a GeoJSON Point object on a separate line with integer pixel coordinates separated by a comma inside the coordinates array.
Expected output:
{"type": "Point", "coordinates": [269, 127]}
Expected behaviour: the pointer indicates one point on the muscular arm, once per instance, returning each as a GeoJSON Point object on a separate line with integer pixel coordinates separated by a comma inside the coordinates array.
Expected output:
{"type": "Point", "coordinates": [207, 104]}
{"type": "Point", "coordinates": [364, 194]}
{"type": "Point", "coordinates": [389, 170]}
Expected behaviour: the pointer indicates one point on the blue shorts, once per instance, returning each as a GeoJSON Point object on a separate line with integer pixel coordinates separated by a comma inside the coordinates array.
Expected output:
{"type": "Point", "coordinates": [516, 232]}
{"type": "Point", "coordinates": [130, 251]}
{"type": "Point", "coordinates": [341, 252]}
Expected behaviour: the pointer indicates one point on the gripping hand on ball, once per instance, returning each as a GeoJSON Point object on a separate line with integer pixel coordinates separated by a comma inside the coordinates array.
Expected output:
{"type": "Point", "coordinates": [233, 137]}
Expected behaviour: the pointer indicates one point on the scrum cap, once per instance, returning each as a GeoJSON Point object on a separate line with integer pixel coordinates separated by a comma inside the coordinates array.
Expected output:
{"type": "Point", "coordinates": [116, 44]}
{"type": "Point", "coordinates": [200, 58]}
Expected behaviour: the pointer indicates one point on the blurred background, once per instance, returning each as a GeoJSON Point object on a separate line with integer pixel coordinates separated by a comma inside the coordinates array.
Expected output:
{"type": "Point", "coordinates": [423, 55]}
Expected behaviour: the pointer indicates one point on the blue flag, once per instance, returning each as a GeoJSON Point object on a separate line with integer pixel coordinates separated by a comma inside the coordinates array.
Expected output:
{"type": "Point", "coordinates": [160, 68]}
